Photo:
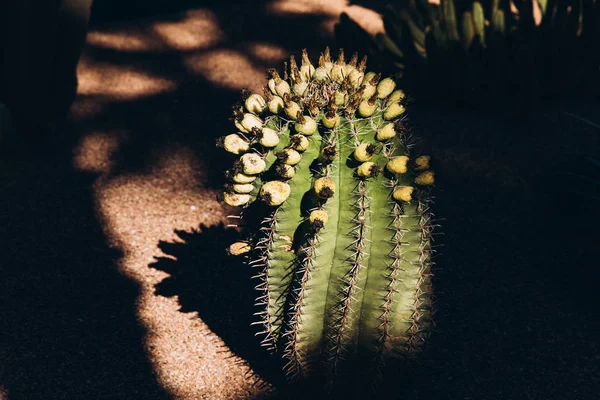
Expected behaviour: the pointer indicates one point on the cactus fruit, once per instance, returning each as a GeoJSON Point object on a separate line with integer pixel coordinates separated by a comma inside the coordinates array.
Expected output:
{"type": "Point", "coordinates": [338, 220]}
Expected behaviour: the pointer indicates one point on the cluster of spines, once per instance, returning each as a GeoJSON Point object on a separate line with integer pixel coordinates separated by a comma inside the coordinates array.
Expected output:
{"type": "Point", "coordinates": [295, 364]}
{"type": "Point", "coordinates": [262, 248]}
{"type": "Point", "coordinates": [347, 293]}
{"type": "Point", "coordinates": [421, 318]}
{"type": "Point", "coordinates": [310, 101]}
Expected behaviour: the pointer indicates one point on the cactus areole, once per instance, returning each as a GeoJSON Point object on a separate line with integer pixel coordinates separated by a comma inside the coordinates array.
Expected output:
{"type": "Point", "coordinates": [338, 223]}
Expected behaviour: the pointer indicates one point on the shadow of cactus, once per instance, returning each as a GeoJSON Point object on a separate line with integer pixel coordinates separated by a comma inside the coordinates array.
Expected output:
{"type": "Point", "coordinates": [218, 287]}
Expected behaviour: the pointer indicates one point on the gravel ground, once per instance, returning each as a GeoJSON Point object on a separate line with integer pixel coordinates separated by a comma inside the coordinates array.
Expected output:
{"type": "Point", "coordinates": [114, 284]}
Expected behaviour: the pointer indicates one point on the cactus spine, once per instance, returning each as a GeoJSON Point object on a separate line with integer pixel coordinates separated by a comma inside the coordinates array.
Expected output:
{"type": "Point", "coordinates": [338, 229]}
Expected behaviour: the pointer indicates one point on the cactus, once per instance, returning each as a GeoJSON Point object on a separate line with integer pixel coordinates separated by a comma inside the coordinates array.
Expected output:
{"type": "Point", "coordinates": [337, 216]}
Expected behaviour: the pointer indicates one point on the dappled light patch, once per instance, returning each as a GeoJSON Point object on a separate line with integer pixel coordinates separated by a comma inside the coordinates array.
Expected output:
{"type": "Point", "coordinates": [180, 167]}
{"type": "Point", "coordinates": [266, 52]}
{"type": "Point", "coordinates": [333, 8]}
{"type": "Point", "coordinates": [123, 82]}
{"type": "Point", "coordinates": [93, 152]}
{"type": "Point", "coordinates": [196, 30]}
{"type": "Point", "coordinates": [123, 39]}
{"type": "Point", "coordinates": [369, 20]}
{"type": "Point", "coordinates": [225, 67]}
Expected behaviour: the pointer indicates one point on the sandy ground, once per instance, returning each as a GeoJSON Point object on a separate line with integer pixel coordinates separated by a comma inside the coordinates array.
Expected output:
{"type": "Point", "coordinates": [115, 284]}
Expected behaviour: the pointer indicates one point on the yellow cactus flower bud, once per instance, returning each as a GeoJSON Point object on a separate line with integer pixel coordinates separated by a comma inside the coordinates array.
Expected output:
{"type": "Point", "coordinates": [394, 110]}
{"type": "Point", "coordinates": [305, 124]}
{"type": "Point", "coordinates": [318, 218]}
{"type": "Point", "coordinates": [269, 137]}
{"type": "Point", "coordinates": [282, 87]}
{"type": "Point", "coordinates": [324, 188]}
{"type": "Point", "coordinates": [243, 188]}
{"type": "Point", "coordinates": [325, 64]}
{"type": "Point", "coordinates": [291, 107]}
{"type": "Point", "coordinates": [252, 164]}
{"type": "Point", "coordinates": [425, 179]}
{"type": "Point", "coordinates": [289, 156]}
{"type": "Point", "coordinates": [321, 74]}
{"type": "Point", "coordinates": [235, 199]}
{"type": "Point", "coordinates": [370, 85]}
{"type": "Point", "coordinates": [387, 132]}
{"type": "Point", "coordinates": [368, 170]}
{"type": "Point", "coordinates": [274, 193]}
{"type": "Point", "coordinates": [300, 87]}
{"type": "Point", "coordinates": [341, 98]}
{"type": "Point", "coordinates": [330, 119]}
{"type": "Point", "coordinates": [368, 76]}
{"type": "Point", "coordinates": [239, 248]}
{"type": "Point", "coordinates": [292, 110]}
{"type": "Point", "coordinates": [348, 68]}
{"type": "Point", "coordinates": [403, 193]}
{"type": "Point", "coordinates": [398, 165]}
{"type": "Point", "coordinates": [271, 85]}
{"type": "Point", "coordinates": [313, 108]}
{"type": "Point", "coordinates": [235, 144]}
{"type": "Point", "coordinates": [239, 126]}
{"type": "Point", "coordinates": [285, 171]}
{"type": "Point", "coordinates": [396, 97]}
{"type": "Point", "coordinates": [307, 70]}
{"type": "Point", "coordinates": [385, 88]}
{"type": "Point", "coordinates": [277, 85]}
{"type": "Point", "coordinates": [250, 121]}
{"type": "Point", "coordinates": [243, 178]}
{"type": "Point", "coordinates": [369, 91]}
{"type": "Point", "coordinates": [356, 78]}
{"type": "Point", "coordinates": [366, 108]}
{"type": "Point", "coordinates": [364, 151]}
{"type": "Point", "coordinates": [337, 72]}
{"type": "Point", "coordinates": [255, 103]}
{"type": "Point", "coordinates": [329, 152]}
{"type": "Point", "coordinates": [299, 142]}
{"type": "Point", "coordinates": [276, 105]}
{"type": "Point", "coordinates": [422, 163]}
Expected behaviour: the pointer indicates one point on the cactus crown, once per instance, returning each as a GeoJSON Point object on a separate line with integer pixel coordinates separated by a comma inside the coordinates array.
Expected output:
{"type": "Point", "coordinates": [337, 218]}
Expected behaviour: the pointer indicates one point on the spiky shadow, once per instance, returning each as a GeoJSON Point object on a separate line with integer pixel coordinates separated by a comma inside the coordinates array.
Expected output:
{"type": "Point", "coordinates": [218, 287]}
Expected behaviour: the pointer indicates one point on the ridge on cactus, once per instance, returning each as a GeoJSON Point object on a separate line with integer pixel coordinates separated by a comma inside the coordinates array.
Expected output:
{"type": "Point", "coordinates": [337, 221]}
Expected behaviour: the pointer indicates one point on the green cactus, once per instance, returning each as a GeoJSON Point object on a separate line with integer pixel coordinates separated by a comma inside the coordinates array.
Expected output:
{"type": "Point", "coordinates": [337, 216]}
